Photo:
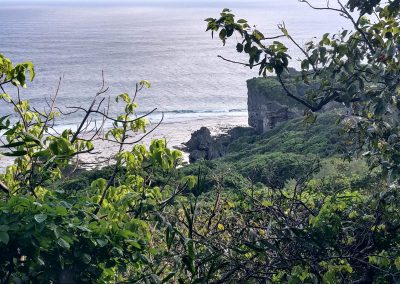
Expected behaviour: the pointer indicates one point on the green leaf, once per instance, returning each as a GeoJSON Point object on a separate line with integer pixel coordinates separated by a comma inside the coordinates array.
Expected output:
{"type": "Point", "coordinates": [63, 243]}
{"type": "Point", "coordinates": [134, 243]}
{"type": "Point", "coordinates": [144, 258]}
{"type": "Point", "coordinates": [6, 97]}
{"type": "Point", "coordinates": [40, 261]}
{"type": "Point", "coordinates": [222, 34]}
{"type": "Point", "coordinates": [30, 138]}
{"type": "Point", "coordinates": [31, 70]}
{"type": "Point", "coordinates": [13, 145]}
{"type": "Point", "coordinates": [397, 263]}
{"type": "Point", "coordinates": [145, 83]}
{"type": "Point", "coordinates": [15, 153]}
{"type": "Point", "coordinates": [168, 277]}
{"type": "Point", "coordinates": [40, 218]}
{"type": "Point", "coordinates": [258, 35]}
{"type": "Point", "coordinates": [44, 153]}
{"type": "Point", "coordinates": [101, 242]}
{"type": "Point", "coordinates": [98, 184]}
{"type": "Point", "coordinates": [125, 97]}
{"type": "Point", "coordinates": [83, 229]}
{"type": "Point", "coordinates": [239, 47]}
{"type": "Point", "coordinates": [86, 258]}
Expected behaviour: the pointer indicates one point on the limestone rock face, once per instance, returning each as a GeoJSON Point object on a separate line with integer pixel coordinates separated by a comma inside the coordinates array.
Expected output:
{"type": "Point", "coordinates": [264, 116]}
{"type": "Point", "coordinates": [268, 105]}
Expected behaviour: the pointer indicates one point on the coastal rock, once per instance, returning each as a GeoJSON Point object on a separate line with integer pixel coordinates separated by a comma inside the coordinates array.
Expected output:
{"type": "Point", "coordinates": [205, 146]}
{"type": "Point", "coordinates": [200, 140]}
{"type": "Point", "coordinates": [202, 146]}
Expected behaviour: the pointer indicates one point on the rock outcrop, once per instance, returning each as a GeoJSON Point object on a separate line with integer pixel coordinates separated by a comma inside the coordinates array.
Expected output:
{"type": "Point", "coordinates": [268, 105]}
{"type": "Point", "coordinates": [204, 146]}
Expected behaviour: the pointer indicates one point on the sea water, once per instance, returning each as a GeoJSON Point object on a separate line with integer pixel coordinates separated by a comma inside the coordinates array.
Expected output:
{"type": "Point", "coordinates": [163, 43]}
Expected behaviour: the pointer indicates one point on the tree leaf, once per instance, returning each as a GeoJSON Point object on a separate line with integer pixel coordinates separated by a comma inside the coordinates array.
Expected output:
{"type": "Point", "coordinates": [145, 83]}
{"type": "Point", "coordinates": [40, 218]}
{"type": "Point", "coordinates": [63, 243]}
{"type": "Point", "coordinates": [239, 47]}
{"type": "Point", "coordinates": [168, 277]}
{"type": "Point", "coordinates": [15, 153]}
{"type": "Point", "coordinates": [12, 145]}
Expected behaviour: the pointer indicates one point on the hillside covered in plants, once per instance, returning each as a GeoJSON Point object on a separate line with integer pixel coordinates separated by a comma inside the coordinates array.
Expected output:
{"type": "Point", "coordinates": [314, 200]}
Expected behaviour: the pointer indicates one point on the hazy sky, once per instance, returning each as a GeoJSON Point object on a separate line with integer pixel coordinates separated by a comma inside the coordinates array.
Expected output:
{"type": "Point", "coordinates": [145, 2]}
{"type": "Point", "coordinates": [208, 3]}
{"type": "Point", "coordinates": [127, 1]}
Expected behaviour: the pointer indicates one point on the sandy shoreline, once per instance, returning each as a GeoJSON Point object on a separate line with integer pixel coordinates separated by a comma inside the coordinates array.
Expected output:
{"type": "Point", "coordinates": [175, 134]}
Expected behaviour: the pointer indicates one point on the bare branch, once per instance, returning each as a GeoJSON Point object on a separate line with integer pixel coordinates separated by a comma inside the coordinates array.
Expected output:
{"type": "Point", "coordinates": [236, 62]}
{"type": "Point", "coordinates": [321, 8]}
{"type": "Point", "coordinates": [303, 102]}
{"type": "Point", "coordinates": [51, 107]}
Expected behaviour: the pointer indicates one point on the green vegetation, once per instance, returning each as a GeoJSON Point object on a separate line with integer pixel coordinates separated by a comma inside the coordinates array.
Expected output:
{"type": "Point", "coordinates": [284, 207]}
{"type": "Point", "coordinates": [283, 153]}
{"type": "Point", "coordinates": [322, 138]}
{"type": "Point", "coordinates": [273, 91]}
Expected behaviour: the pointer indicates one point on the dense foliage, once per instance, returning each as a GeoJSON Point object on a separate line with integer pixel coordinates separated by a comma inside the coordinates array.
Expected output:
{"type": "Point", "coordinates": [283, 207]}
{"type": "Point", "coordinates": [58, 235]}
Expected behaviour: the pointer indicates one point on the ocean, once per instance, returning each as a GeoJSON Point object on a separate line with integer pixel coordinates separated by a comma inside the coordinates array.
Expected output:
{"type": "Point", "coordinates": [163, 43]}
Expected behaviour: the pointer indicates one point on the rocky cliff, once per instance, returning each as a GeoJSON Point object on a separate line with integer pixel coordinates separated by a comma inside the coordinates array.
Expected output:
{"type": "Point", "coordinates": [268, 105]}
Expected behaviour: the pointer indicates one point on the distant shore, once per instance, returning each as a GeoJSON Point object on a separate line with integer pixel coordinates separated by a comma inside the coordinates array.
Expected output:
{"type": "Point", "coordinates": [175, 133]}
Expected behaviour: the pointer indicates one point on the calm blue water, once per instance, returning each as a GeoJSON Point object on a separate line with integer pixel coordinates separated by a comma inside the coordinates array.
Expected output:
{"type": "Point", "coordinates": [165, 44]}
